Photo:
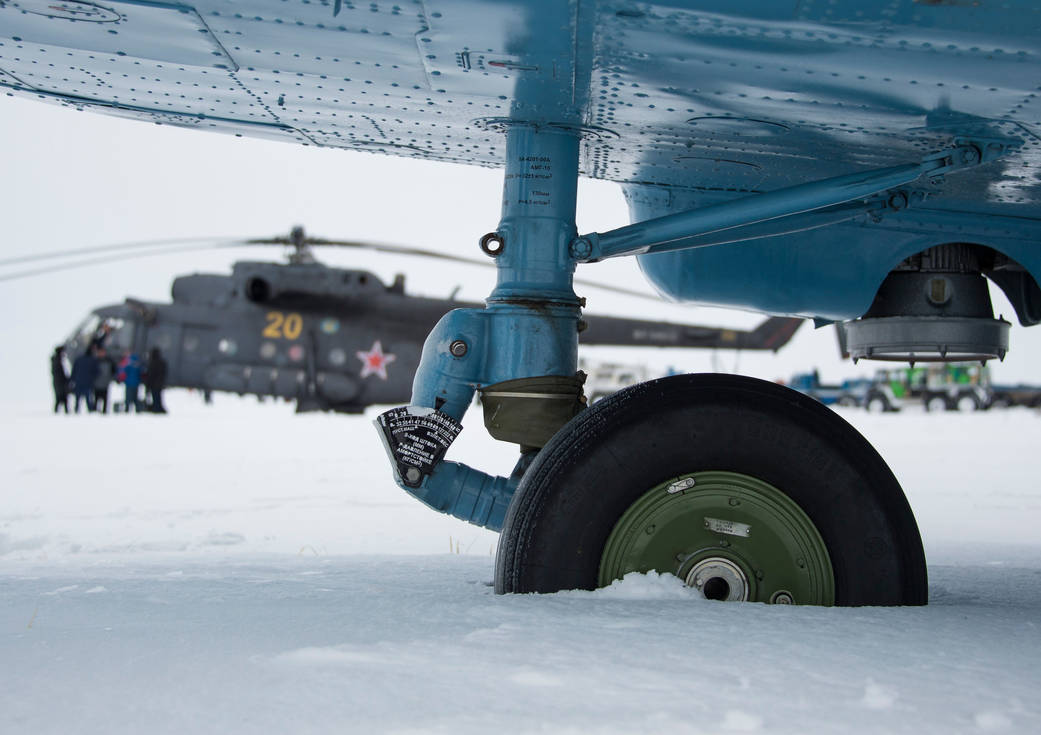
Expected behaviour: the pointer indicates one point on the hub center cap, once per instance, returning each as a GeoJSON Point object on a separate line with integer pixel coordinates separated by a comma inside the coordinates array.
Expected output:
{"type": "Point", "coordinates": [719, 579]}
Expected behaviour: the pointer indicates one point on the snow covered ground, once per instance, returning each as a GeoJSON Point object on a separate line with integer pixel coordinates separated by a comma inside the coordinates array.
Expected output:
{"type": "Point", "coordinates": [239, 569]}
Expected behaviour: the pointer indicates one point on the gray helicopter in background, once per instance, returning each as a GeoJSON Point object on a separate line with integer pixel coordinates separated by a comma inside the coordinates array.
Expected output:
{"type": "Point", "coordinates": [331, 338]}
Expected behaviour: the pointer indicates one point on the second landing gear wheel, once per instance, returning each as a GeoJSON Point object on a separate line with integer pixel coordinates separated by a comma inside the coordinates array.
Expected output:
{"type": "Point", "coordinates": [743, 489]}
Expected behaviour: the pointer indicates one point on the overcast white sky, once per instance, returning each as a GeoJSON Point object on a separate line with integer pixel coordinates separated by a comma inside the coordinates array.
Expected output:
{"type": "Point", "coordinates": [78, 179]}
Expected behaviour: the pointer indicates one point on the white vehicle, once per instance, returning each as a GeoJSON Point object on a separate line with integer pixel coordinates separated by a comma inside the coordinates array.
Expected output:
{"type": "Point", "coordinates": [936, 387]}
{"type": "Point", "coordinates": [607, 378]}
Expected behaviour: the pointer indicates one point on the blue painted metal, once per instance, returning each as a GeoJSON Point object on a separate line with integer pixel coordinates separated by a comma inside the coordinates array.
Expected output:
{"type": "Point", "coordinates": [837, 269]}
{"type": "Point", "coordinates": [504, 341]}
{"type": "Point", "coordinates": [465, 493]}
{"type": "Point", "coordinates": [672, 232]}
{"type": "Point", "coordinates": [874, 208]}
{"type": "Point", "coordinates": [530, 325]}
{"type": "Point", "coordinates": [710, 99]}
{"type": "Point", "coordinates": [540, 188]}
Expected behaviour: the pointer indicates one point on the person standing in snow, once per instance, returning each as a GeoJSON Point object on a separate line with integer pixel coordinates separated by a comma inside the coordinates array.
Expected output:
{"type": "Point", "coordinates": [106, 371]}
{"type": "Point", "coordinates": [155, 380]}
{"type": "Point", "coordinates": [60, 379]}
{"type": "Point", "coordinates": [84, 373]}
{"type": "Point", "coordinates": [130, 377]}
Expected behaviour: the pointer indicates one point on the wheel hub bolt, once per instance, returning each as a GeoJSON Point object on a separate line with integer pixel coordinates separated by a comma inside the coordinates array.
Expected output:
{"type": "Point", "coordinates": [781, 597]}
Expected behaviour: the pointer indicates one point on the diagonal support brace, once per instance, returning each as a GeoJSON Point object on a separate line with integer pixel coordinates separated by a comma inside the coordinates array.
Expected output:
{"type": "Point", "coordinates": [694, 228]}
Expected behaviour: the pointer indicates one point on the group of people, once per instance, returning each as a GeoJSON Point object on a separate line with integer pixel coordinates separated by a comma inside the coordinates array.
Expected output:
{"type": "Point", "coordinates": [93, 372]}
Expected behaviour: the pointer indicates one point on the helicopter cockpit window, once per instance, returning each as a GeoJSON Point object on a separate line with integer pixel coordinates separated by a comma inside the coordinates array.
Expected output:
{"type": "Point", "coordinates": [120, 337]}
{"type": "Point", "coordinates": [114, 334]}
{"type": "Point", "coordinates": [83, 334]}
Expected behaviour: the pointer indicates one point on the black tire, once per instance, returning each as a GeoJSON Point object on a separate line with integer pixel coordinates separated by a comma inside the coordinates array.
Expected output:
{"type": "Point", "coordinates": [877, 403]}
{"type": "Point", "coordinates": [937, 402]}
{"type": "Point", "coordinates": [967, 402]}
{"type": "Point", "coordinates": [608, 456]}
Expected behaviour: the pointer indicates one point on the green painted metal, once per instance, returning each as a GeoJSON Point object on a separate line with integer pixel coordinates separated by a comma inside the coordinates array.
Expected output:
{"type": "Point", "coordinates": [669, 529]}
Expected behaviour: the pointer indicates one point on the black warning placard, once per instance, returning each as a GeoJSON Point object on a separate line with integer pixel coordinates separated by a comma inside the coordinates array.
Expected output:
{"type": "Point", "coordinates": [417, 439]}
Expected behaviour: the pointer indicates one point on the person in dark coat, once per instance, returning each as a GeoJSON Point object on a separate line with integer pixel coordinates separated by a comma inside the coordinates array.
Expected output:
{"type": "Point", "coordinates": [60, 379]}
{"type": "Point", "coordinates": [130, 377]}
{"type": "Point", "coordinates": [106, 371]}
{"type": "Point", "coordinates": [84, 373]}
{"type": "Point", "coordinates": [155, 380]}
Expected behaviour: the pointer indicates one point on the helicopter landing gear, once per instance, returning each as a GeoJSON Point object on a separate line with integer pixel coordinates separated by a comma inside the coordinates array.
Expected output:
{"type": "Point", "coordinates": [743, 489]}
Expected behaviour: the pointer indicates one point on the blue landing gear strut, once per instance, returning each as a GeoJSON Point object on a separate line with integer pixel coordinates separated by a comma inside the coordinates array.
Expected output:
{"type": "Point", "coordinates": [528, 330]}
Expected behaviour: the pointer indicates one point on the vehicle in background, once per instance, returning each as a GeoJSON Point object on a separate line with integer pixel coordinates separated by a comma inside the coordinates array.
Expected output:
{"type": "Point", "coordinates": [811, 385]}
{"type": "Point", "coordinates": [1006, 396]}
{"type": "Point", "coordinates": [936, 387]}
{"type": "Point", "coordinates": [850, 392]}
{"type": "Point", "coordinates": [866, 393]}
{"type": "Point", "coordinates": [606, 378]}
{"type": "Point", "coordinates": [334, 339]}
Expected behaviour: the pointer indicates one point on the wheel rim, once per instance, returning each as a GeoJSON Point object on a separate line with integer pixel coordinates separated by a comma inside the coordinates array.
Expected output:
{"type": "Point", "coordinates": [731, 536]}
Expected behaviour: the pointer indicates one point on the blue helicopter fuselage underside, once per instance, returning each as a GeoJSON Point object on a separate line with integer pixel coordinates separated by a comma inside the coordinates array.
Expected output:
{"type": "Point", "coordinates": [684, 103]}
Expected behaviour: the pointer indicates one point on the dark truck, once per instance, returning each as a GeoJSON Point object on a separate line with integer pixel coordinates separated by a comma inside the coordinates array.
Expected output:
{"type": "Point", "coordinates": [1005, 396]}
{"type": "Point", "coordinates": [850, 392]}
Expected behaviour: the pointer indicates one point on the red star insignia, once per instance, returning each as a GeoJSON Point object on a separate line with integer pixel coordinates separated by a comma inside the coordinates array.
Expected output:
{"type": "Point", "coordinates": [374, 362]}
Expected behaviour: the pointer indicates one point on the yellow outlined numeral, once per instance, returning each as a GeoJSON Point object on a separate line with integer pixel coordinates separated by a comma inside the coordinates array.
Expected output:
{"type": "Point", "coordinates": [293, 325]}
{"type": "Point", "coordinates": [283, 326]}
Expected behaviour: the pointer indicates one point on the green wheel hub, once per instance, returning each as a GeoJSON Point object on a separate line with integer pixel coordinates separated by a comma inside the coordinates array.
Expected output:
{"type": "Point", "coordinates": [732, 536]}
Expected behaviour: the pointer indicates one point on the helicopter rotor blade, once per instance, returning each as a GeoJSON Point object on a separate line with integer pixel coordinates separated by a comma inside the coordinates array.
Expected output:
{"type": "Point", "coordinates": [146, 248]}
{"type": "Point", "coordinates": [118, 247]}
{"type": "Point", "coordinates": [378, 247]}
{"type": "Point", "coordinates": [426, 253]}
{"type": "Point", "coordinates": [18, 275]}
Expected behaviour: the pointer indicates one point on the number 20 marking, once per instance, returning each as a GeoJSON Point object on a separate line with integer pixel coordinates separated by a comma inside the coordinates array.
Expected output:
{"type": "Point", "coordinates": [283, 326]}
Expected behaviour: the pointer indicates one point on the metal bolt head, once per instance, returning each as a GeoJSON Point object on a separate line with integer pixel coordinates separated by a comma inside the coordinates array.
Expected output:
{"type": "Point", "coordinates": [970, 155]}
{"type": "Point", "coordinates": [458, 348]}
{"type": "Point", "coordinates": [581, 248]}
{"type": "Point", "coordinates": [782, 597]}
{"type": "Point", "coordinates": [412, 474]}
